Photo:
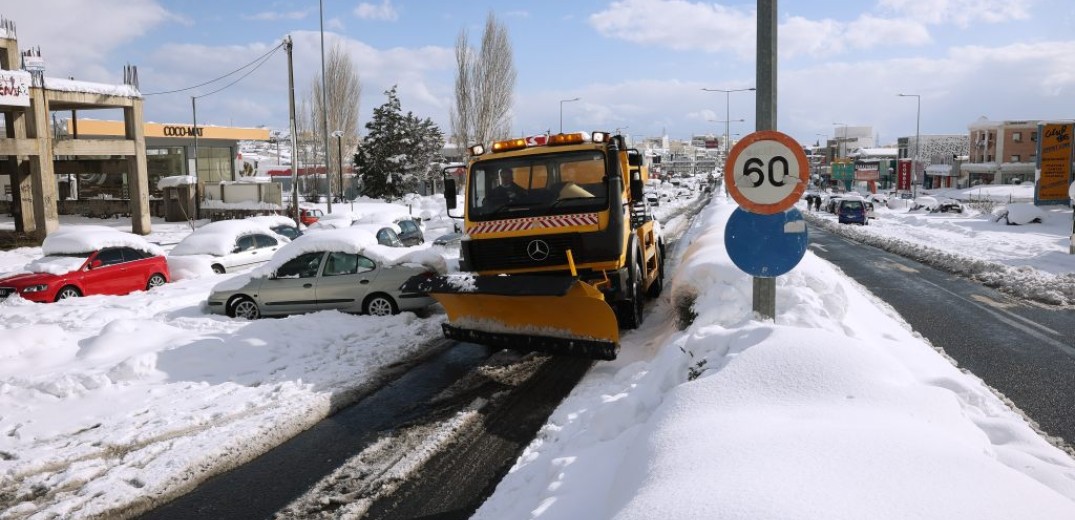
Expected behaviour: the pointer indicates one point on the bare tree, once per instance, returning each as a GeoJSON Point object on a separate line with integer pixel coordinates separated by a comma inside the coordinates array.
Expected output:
{"type": "Point", "coordinates": [462, 131]}
{"type": "Point", "coordinates": [343, 91]}
{"type": "Point", "coordinates": [485, 86]}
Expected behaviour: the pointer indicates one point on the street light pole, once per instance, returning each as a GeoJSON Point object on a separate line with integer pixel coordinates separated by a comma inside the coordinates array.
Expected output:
{"type": "Point", "coordinates": [727, 111]}
{"type": "Point", "coordinates": [324, 108]}
{"type": "Point", "coordinates": [917, 138]}
{"type": "Point", "coordinates": [562, 101]}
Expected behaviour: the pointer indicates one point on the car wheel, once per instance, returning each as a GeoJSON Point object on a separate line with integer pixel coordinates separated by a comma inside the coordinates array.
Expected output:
{"type": "Point", "coordinates": [380, 305]}
{"type": "Point", "coordinates": [218, 269]}
{"type": "Point", "coordinates": [156, 280]}
{"type": "Point", "coordinates": [69, 291]}
{"type": "Point", "coordinates": [245, 308]}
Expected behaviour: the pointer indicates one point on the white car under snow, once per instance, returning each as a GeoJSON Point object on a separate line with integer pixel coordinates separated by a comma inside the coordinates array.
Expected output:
{"type": "Point", "coordinates": [227, 246]}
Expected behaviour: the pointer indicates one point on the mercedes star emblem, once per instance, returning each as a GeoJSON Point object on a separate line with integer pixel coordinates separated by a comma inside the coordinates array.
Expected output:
{"type": "Point", "coordinates": [538, 250]}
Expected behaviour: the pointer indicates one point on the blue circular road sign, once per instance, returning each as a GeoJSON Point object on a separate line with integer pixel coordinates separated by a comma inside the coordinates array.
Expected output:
{"type": "Point", "coordinates": [766, 246]}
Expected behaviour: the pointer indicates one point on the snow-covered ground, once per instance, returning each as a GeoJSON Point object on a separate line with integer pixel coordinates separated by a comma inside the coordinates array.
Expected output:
{"type": "Point", "coordinates": [838, 410]}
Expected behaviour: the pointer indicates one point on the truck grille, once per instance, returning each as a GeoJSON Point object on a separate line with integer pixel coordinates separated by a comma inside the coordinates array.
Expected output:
{"type": "Point", "coordinates": [511, 253]}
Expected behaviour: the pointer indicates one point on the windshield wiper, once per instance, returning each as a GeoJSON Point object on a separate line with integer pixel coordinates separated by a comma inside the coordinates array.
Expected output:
{"type": "Point", "coordinates": [507, 206]}
{"type": "Point", "coordinates": [558, 201]}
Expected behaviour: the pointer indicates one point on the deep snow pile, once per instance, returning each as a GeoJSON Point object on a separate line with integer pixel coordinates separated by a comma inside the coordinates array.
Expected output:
{"type": "Point", "coordinates": [836, 411]}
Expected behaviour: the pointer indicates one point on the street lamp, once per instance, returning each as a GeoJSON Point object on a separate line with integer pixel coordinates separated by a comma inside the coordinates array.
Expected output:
{"type": "Point", "coordinates": [917, 137]}
{"type": "Point", "coordinates": [727, 136]}
{"type": "Point", "coordinates": [324, 107]}
{"type": "Point", "coordinates": [727, 111]}
{"type": "Point", "coordinates": [338, 134]}
{"type": "Point", "coordinates": [562, 101]}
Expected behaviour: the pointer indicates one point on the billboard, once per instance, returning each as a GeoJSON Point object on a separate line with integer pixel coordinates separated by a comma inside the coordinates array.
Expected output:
{"type": "Point", "coordinates": [903, 175]}
{"type": "Point", "coordinates": [14, 88]}
{"type": "Point", "coordinates": [1054, 163]}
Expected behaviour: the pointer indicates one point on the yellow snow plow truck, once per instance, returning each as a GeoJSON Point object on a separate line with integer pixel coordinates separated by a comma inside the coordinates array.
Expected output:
{"type": "Point", "coordinates": [559, 248]}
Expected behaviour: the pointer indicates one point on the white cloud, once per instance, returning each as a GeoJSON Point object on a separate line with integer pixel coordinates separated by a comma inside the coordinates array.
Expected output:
{"type": "Point", "coordinates": [678, 25]}
{"type": "Point", "coordinates": [684, 25]}
{"type": "Point", "coordinates": [385, 11]}
{"type": "Point", "coordinates": [269, 16]}
{"type": "Point", "coordinates": [77, 37]}
{"type": "Point", "coordinates": [960, 12]}
{"type": "Point", "coordinates": [422, 74]}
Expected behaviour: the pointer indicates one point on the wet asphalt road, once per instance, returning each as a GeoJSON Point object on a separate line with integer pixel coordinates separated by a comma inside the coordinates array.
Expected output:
{"type": "Point", "coordinates": [1024, 350]}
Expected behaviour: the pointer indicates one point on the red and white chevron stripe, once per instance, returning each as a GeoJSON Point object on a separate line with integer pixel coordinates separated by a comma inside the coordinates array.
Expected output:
{"type": "Point", "coordinates": [520, 224]}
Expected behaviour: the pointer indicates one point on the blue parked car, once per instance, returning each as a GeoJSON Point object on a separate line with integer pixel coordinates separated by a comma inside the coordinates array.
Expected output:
{"type": "Point", "coordinates": [852, 211]}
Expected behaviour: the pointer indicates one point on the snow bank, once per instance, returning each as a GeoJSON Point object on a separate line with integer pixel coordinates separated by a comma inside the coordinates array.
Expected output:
{"type": "Point", "coordinates": [176, 180]}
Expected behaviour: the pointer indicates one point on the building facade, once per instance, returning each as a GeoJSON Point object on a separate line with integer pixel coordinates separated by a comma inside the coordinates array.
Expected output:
{"type": "Point", "coordinates": [1001, 152]}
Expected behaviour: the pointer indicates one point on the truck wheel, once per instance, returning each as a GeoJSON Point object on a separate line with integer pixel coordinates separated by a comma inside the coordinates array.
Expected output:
{"type": "Point", "coordinates": [631, 308]}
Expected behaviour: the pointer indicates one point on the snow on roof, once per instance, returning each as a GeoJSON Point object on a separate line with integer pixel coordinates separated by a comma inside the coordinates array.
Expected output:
{"type": "Point", "coordinates": [89, 238]}
{"type": "Point", "coordinates": [273, 220]}
{"type": "Point", "coordinates": [218, 238]}
{"type": "Point", "coordinates": [875, 152]}
{"type": "Point", "coordinates": [176, 180]}
{"type": "Point", "coordinates": [70, 85]}
{"type": "Point", "coordinates": [357, 241]}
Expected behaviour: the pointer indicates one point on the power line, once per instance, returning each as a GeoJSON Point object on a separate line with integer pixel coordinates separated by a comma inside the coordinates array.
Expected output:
{"type": "Point", "coordinates": [259, 60]}
{"type": "Point", "coordinates": [240, 78]}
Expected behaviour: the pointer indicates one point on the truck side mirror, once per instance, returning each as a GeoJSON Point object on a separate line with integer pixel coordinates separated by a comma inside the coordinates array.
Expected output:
{"type": "Point", "coordinates": [449, 193]}
{"type": "Point", "coordinates": [636, 184]}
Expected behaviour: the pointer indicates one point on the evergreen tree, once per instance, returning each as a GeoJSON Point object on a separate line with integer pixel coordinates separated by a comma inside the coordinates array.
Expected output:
{"type": "Point", "coordinates": [398, 151]}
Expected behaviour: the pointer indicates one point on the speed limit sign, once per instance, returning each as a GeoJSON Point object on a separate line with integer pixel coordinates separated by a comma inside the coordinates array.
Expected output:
{"type": "Point", "coordinates": [768, 172]}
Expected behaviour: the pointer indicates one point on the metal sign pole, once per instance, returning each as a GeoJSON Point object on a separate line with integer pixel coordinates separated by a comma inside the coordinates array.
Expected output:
{"type": "Point", "coordinates": [765, 117]}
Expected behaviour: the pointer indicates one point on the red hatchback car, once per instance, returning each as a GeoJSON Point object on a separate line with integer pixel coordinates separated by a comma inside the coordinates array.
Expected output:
{"type": "Point", "coordinates": [88, 260]}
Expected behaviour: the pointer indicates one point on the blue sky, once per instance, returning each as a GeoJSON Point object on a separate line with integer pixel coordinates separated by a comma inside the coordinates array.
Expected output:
{"type": "Point", "coordinates": [637, 65]}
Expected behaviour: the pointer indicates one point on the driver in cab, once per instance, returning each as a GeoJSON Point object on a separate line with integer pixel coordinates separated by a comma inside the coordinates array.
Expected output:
{"type": "Point", "coordinates": [506, 190]}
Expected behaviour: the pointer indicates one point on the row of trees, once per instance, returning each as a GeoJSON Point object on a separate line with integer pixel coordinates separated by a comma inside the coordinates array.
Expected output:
{"type": "Point", "coordinates": [402, 151]}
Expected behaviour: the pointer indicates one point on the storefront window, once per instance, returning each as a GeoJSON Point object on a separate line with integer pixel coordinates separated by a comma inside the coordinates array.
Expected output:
{"type": "Point", "coordinates": [163, 162]}
{"type": "Point", "coordinates": [215, 164]}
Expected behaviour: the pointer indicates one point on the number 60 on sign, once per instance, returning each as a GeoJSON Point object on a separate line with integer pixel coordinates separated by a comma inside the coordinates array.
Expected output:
{"type": "Point", "coordinates": [767, 172]}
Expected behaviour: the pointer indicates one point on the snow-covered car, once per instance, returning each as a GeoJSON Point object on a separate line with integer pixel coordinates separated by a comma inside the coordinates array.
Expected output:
{"type": "Point", "coordinates": [89, 260]}
{"type": "Point", "coordinates": [387, 235]}
{"type": "Point", "coordinates": [946, 205]}
{"type": "Point", "coordinates": [410, 231]}
{"type": "Point", "coordinates": [448, 239]}
{"type": "Point", "coordinates": [229, 245]}
{"type": "Point", "coordinates": [309, 216]}
{"type": "Point", "coordinates": [340, 269]}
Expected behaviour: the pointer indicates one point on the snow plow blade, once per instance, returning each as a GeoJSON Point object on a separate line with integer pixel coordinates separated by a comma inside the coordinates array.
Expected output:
{"type": "Point", "coordinates": [558, 315]}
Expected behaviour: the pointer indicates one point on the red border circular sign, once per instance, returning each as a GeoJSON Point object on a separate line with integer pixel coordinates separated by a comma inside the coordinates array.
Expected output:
{"type": "Point", "coordinates": [766, 154]}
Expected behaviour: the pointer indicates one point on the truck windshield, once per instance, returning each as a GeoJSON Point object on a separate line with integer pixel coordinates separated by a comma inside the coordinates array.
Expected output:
{"type": "Point", "coordinates": [538, 185]}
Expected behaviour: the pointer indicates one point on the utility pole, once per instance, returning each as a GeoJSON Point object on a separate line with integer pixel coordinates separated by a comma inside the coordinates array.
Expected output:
{"type": "Point", "coordinates": [324, 109]}
{"type": "Point", "coordinates": [764, 288]}
{"type": "Point", "coordinates": [294, 132]}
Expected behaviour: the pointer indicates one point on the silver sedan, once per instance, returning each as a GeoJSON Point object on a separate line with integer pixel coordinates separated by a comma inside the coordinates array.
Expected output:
{"type": "Point", "coordinates": [321, 280]}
